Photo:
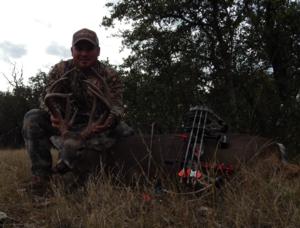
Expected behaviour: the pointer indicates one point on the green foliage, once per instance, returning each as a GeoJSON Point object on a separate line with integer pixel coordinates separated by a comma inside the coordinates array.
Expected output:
{"type": "Point", "coordinates": [11, 115]}
{"type": "Point", "coordinates": [239, 57]}
{"type": "Point", "coordinates": [37, 87]}
{"type": "Point", "coordinates": [14, 105]}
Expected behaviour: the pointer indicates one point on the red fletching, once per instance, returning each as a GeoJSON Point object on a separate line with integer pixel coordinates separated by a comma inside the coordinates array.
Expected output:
{"type": "Point", "coordinates": [183, 136]}
{"type": "Point", "coordinates": [181, 173]}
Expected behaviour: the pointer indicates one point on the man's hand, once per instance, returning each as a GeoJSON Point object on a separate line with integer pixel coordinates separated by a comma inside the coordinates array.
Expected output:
{"type": "Point", "coordinates": [54, 121]}
{"type": "Point", "coordinates": [109, 122]}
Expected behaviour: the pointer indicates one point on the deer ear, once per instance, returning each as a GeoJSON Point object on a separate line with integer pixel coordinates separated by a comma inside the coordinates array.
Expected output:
{"type": "Point", "coordinates": [57, 142]}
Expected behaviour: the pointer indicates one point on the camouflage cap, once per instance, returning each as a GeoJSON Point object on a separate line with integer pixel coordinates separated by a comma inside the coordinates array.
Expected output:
{"type": "Point", "coordinates": [85, 34]}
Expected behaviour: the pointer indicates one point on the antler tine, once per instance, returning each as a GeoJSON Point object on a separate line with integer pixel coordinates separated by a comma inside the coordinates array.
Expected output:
{"type": "Point", "coordinates": [66, 122]}
{"type": "Point", "coordinates": [92, 111]}
{"type": "Point", "coordinates": [100, 120]}
{"type": "Point", "coordinates": [62, 78]}
{"type": "Point", "coordinates": [92, 124]}
{"type": "Point", "coordinates": [97, 95]}
{"type": "Point", "coordinates": [54, 84]}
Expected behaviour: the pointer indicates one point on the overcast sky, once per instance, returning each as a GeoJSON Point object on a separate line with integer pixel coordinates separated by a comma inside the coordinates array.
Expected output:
{"type": "Point", "coordinates": [35, 34]}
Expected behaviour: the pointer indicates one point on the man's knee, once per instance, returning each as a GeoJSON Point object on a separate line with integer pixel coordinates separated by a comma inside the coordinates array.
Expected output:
{"type": "Point", "coordinates": [35, 123]}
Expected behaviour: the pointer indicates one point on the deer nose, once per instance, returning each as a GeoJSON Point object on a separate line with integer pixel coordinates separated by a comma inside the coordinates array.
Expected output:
{"type": "Point", "coordinates": [62, 167]}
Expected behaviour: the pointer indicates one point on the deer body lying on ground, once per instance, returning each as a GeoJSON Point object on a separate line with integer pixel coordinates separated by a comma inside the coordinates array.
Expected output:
{"type": "Point", "coordinates": [164, 154]}
{"type": "Point", "coordinates": [152, 155]}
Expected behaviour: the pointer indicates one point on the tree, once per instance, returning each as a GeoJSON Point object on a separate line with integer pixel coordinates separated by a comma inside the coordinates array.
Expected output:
{"type": "Point", "coordinates": [240, 57]}
{"type": "Point", "coordinates": [276, 29]}
{"type": "Point", "coordinates": [16, 103]}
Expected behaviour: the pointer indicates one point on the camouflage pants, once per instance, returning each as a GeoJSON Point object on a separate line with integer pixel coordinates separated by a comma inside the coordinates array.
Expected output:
{"type": "Point", "coordinates": [36, 131]}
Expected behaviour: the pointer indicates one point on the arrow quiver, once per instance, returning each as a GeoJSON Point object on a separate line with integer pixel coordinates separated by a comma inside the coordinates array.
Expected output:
{"type": "Point", "coordinates": [214, 126]}
{"type": "Point", "coordinates": [200, 123]}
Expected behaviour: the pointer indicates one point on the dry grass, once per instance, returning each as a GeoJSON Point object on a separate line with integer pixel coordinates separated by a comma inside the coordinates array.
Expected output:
{"type": "Point", "coordinates": [249, 200]}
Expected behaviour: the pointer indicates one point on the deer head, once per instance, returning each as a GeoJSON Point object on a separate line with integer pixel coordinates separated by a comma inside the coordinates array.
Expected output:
{"type": "Point", "coordinates": [71, 142]}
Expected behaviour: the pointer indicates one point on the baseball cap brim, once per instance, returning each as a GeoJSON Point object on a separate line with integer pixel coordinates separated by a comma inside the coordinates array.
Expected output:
{"type": "Point", "coordinates": [84, 39]}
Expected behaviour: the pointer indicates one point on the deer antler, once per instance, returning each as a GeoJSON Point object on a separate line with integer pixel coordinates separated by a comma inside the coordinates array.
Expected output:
{"type": "Point", "coordinates": [51, 102]}
{"type": "Point", "coordinates": [97, 95]}
{"type": "Point", "coordinates": [66, 121]}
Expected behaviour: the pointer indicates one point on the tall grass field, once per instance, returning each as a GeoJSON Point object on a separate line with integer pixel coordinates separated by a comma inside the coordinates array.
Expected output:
{"type": "Point", "coordinates": [248, 199]}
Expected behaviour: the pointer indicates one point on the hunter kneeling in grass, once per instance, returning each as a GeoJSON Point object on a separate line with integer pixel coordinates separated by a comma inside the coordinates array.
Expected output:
{"type": "Point", "coordinates": [82, 104]}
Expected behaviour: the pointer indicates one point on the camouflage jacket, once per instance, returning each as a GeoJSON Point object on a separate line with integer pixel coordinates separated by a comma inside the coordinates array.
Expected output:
{"type": "Point", "coordinates": [103, 77]}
